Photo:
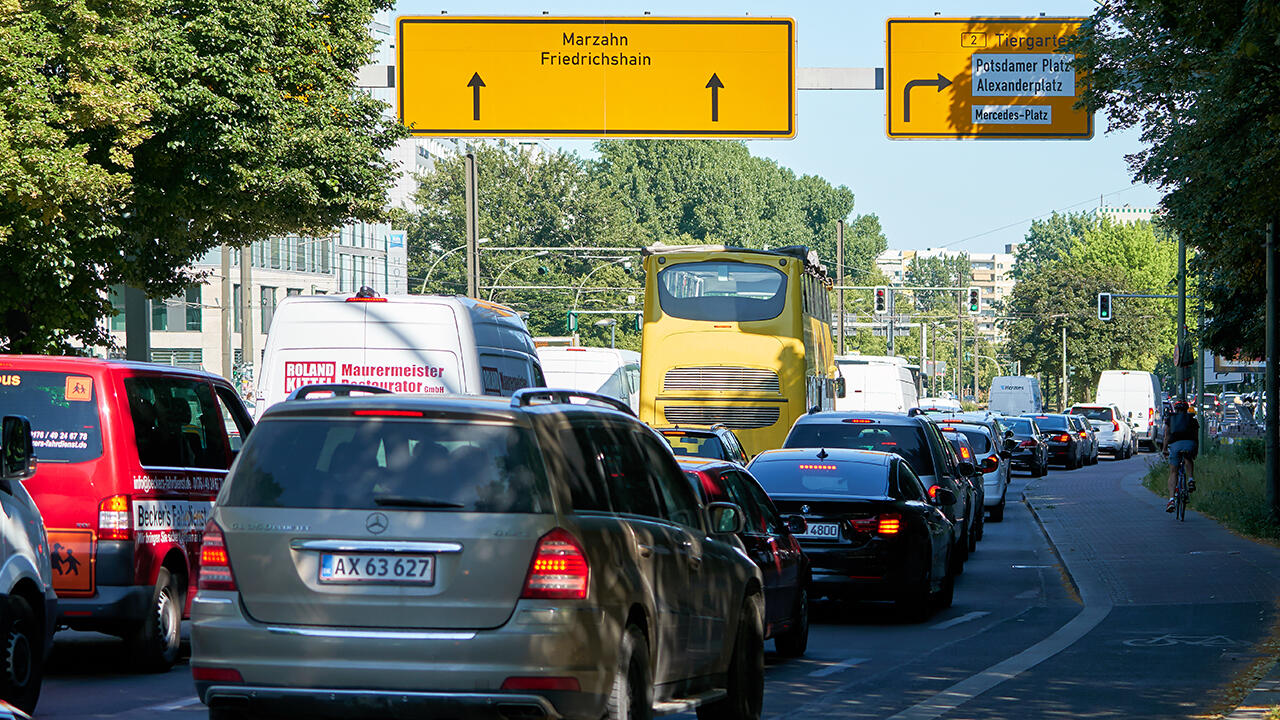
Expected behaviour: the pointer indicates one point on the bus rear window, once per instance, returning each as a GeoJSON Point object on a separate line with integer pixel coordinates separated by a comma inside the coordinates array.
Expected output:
{"type": "Point", "coordinates": [62, 408]}
{"type": "Point", "coordinates": [722, 291]}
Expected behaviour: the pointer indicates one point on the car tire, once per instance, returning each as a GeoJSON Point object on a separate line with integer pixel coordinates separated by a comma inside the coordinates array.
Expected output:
{"type": "Point", "coordinates": [631, 697]}
{"type": "Point", "coordinates": [997, 512]}
{"type": "Point", "coordinates": [958, 556]}
{"type": "Point", "coordinates": [946, 594]}
{"type": "Point", "coordinates": [154, 642]}
{"type": "Point", "coordinates": [975, 530]}
{"type": "Point", "coordinates": [794, 642]}
{"type": "Point", "coordinates": [21, 655]}
{"type": "Point", "coordinates": [745, 687]}
{"type": "Point", "coordinates": [230, 713]}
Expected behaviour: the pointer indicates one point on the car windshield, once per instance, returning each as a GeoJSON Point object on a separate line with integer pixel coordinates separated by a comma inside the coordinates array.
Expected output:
{"type": "Point", "coordinates": [1051, 422]}
{"type": "Point", "coordinates": [63, 410]}
{"type": "Point", "coordinates": [978, 440]}
{"type": "Point", "coordinates": [906, 441]}
{"type": "Point", "coordinates": [722, 291]}
{"type": "Point", "coordinates": [821, 477]}
{"type": "Point", "coordinates": [706, 446]}
{"type": "Point", "coordinates": [1093, 413]}
{"type": "Point", "coordinates": [364, 464]}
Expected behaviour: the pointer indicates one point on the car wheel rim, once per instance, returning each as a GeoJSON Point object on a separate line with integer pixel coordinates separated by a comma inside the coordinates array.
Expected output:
{"type": "Point", "coordinates": [167, 624]}
{"type": "Point", "coordinates": [19, 663]}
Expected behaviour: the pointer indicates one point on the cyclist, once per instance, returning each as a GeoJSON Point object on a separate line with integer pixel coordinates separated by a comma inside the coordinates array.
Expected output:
{"type": "Point", "coordinates": [1181, 441]}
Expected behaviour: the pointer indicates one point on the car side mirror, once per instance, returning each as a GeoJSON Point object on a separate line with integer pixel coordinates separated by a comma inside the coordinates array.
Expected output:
{"type": "Point", "coordinates": [990, 464]}
{"type": "Point", "coordinates": [797, 525]}
{"type": "Point", "coordinates": [966, 468]}
{"type": "Point", "coordinates": [1008, 434]}
{"type": "Point", "coordinates": [1009, 444]}
{"type": "Point", "coordinates": [726, 518]}
{"type": "Point", "coordinates": [1006, 454]}
{"type": "Point", "coordinates": [943, 496]}
{"type": "Point", "coordinates": [840, 387]}
{"type": "Point", "coordinates": [17, 459]}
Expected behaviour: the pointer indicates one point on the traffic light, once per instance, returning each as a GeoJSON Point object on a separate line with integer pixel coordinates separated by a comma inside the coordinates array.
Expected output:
{"type": "Point", "coordinates": [975, 300]}
{"type": "Point", "coordinates": [571, 321]}
{"type": "Point", "coordinates": [882, 300]}
{"type": "Point", "coordinates": [1104, 306]}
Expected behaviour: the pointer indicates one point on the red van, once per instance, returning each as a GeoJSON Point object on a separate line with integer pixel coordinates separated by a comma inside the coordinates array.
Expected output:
{"type": "Point", "coordinates": [131, 457]}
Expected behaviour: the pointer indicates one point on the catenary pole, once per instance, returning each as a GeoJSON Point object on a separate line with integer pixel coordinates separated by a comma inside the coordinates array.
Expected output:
{"type": "Point", "coordinates": [840, 279]}
{"type": "Point", "coordinates": [1182, 317]}
{"type": "Point", "coordinates": [473, 230]}
{"type": "Point", "coordinates": [1272, 368]}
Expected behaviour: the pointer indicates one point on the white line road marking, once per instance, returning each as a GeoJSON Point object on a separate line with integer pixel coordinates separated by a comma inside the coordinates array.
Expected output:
{"type": "Point", "coordinates": [956, 621]}
{"type": "Point", "coordinates": [176, 705]}
{"type": "Point", "coordinates": [838, 667]}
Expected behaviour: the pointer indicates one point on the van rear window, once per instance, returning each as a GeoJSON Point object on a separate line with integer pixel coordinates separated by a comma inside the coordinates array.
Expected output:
{"type": "Point", "coordinates": [366, 464]}
{"type": "Point", "coordinates": [62, 408]}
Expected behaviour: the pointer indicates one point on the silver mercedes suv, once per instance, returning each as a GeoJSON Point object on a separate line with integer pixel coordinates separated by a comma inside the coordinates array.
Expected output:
{"type": "Point", "coordinates": [415, 556]}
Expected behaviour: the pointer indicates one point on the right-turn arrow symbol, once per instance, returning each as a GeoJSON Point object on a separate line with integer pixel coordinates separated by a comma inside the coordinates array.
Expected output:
{"type": "Point", "coordinates": [940, 82]}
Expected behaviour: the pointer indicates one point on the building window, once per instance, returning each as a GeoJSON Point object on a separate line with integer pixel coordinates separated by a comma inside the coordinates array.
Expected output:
{"type": "Point", "coordinates": [268, 306]}
{"type": "Point", "coordinates": [116, 294]}
{"type": "Point", "coordinates": [290, 292]}
{"type": "Point", "coordinates": [159, 315]}
{"type": "Point", "coordinates": [192, 358]}
{"type": "Point", "coordinates": [194, 308]}
{"type": "Point", "coordinates": [236, 302]}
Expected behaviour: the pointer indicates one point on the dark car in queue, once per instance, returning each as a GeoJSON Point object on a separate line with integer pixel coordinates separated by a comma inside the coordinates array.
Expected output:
{"type": "Point", "coordinates": [871, 530]}
{"type": "Point", "coordinates": [1063, 444]}
{"type": "Point", "coordinates": [964, 452]}
{"type": "Point", "coordinates": [716, 443]}
{"type": "Point", "coordinates": [913, 437]}
{"type": "Point", "coordinates": [1030, 452]}
{"type": "Point", "coordinates": [993, 461]}
{"type": "Point", "coordinates": [767, 537]}
{"type": "Point", "coordinates": [1088, 436]}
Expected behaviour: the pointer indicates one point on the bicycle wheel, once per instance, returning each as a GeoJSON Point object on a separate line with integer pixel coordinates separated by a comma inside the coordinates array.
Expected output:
{"type": "Point", "coordinates": [1182, 505]}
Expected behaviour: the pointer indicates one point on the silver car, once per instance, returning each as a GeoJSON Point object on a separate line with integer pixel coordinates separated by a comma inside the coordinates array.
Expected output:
{"type": "Point", "coordinates": [425, 556]}
{"type": "Point", "coordinates": [1115, 436]}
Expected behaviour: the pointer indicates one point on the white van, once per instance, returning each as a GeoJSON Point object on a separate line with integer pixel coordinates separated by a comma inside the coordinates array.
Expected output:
{"type": "Point", "coordinates": [1015, 395]}
{"type": "Point", "coordinates": [875, 382]}
{"type": "Point", "coordinates": [404, 343]}
{"type": "Point", "coordinates": [1137, 394]}
{"type": "Point", "coordinates": [607, 371]}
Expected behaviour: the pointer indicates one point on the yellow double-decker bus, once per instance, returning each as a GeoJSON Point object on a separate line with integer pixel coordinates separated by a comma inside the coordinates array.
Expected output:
{"type": "Point", "coordinates": [735, 336]}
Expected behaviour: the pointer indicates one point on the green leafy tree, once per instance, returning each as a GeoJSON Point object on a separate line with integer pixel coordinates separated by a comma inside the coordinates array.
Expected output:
{"type": "Point", "coordinates": [1050, 240]}
{"type": "Point", "coordinates": [1196, 79]}
{"type": "Point", "coordinates": [938, 271]}
{"type": "Point", "coordinates": [237, 120]}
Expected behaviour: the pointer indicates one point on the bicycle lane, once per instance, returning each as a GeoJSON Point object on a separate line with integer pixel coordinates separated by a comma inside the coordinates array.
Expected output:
{"type": "Point", "coordinates": [1183, 606]}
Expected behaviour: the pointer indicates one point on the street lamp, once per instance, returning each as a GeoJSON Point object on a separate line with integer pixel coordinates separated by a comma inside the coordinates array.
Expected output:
{"type": "Point", "coordinates": [625, 261]}
{"type": "Point", "coordinates": [510, 265]}
{"type": "Point", "coordinates": [612, 324]}
{"type": "Point", "coordinates": [442, 257]}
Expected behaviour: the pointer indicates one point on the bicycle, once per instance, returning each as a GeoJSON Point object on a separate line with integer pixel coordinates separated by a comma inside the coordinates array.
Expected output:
{"type": "Point", "coordinates": [1180, 492]}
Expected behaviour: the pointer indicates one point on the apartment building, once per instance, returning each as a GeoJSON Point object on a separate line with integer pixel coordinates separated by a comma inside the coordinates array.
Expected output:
{"type": "Point", "coordinates": [988, 271]}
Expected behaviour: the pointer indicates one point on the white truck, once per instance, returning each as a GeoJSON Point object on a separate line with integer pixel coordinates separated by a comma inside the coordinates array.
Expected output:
{"type": "Point", "coordinates": [1138, 396]}
{"type": "Point", "coordinates": [1015, 395]}
{"type": "Point", "coordinates": [875, 382]}
{"type": "Point", "coordinates": [607, 371]}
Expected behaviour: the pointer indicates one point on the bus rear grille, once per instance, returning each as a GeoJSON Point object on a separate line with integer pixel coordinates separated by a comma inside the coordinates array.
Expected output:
{"type": "Point", "coordinates": [721, 378]}
{"type": "Point", "coordinates": [731, 416]}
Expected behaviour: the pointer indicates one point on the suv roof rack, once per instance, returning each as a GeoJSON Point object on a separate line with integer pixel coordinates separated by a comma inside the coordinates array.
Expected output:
{"type": "Point", "coordinates": [525, 397]}
{"type": "Point", "coordinates": [337, 389]}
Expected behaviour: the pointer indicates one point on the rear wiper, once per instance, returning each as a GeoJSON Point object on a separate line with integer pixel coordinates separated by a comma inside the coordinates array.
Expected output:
{"type": "Point", "coordinates": [414, 501]}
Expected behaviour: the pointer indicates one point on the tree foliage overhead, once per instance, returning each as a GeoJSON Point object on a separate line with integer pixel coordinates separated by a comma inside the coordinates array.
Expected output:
{"type": "Point", "coordinates": [186, 125]}
{"type": "Point", "coordinates": [1199, 81]}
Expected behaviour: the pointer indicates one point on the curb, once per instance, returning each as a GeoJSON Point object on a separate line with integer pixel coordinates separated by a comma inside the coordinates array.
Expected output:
{"type": "Point", "coordinates": [1062, 562]}
{"type": "Point", "coordinates": [1258, 703]}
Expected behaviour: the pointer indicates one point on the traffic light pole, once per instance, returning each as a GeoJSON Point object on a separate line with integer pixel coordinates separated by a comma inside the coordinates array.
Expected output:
{"type": "Point", "coordinates": [1182, 318]}
{"type": "Point", "coordinates": [840, 276]}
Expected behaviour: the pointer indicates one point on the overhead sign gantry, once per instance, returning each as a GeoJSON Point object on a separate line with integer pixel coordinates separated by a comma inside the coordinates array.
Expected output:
{"type": "Point", "coordinates": [596, 77]}
{"type": "Point", "coordinates": [983, 78]}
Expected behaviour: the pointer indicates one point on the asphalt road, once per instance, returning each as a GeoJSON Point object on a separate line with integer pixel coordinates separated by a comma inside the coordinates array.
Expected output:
{"type": "Point", "coordinates": [1164, 618]}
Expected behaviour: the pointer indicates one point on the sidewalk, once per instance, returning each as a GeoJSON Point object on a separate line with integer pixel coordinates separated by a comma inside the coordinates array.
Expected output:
{"type": "Point", "coordinates": [1121, 549]}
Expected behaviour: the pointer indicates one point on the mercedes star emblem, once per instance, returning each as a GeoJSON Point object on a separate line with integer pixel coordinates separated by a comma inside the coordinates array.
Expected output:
{"type": "Point", "coordinates": [376, 523]}
{"type": "Point", "coordinates": [804, 508]}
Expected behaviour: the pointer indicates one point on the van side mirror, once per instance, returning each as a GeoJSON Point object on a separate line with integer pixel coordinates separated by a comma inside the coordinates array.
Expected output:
{"type": "Point", "coordinates": [841, 388]}
{"type": "Point", "coordinates": [726, 518]}
{"type": "Point", "coordinates": [943, 496]}
{"type": "Point", "coordinates": [966, 468]}
{"type": "Point", "coordinates": [17, 459]}
{"type": "Point", "coordinates": [797, 525]}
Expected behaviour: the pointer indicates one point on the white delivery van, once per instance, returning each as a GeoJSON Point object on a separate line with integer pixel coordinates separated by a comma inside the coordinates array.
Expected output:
{"type": "Point", "coordinates": [875, 382]}
{"type": "Point", "coordinates": [607, 371]}
{"type": "Point", "coordinates": [1015, 395]}
{"type": "Point", "coordinates": [1137, 394]}
{"type": "Point", "coordinates": [404, 343]}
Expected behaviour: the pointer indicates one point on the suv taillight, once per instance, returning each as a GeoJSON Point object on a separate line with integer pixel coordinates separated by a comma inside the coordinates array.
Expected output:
{"type": "Point", "coordinates": [1027, 443]}
{"type": "Point", "coordinates": [559, 570]}
{"type": "Point", "coordinates": [1115, 426]}
{"type": "Point", "coordinates": [215, 564]}
{"type": "Point", "coordinates": [113, 518]}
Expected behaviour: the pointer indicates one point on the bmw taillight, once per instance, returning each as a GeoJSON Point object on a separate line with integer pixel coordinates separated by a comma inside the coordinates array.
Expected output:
{"type": "Point", "coordinates": [1062, 437]}
{"type": "Point", "coordinates": [114, 518]}
{"type": "Point", "coordinates": [889, 524]}
{"type": "Point", "coordinates": [559, 570]}
{"type": "Point", "coordinates": [1027, 443]}
{"type": "Point", "coordinates": [215, 564]}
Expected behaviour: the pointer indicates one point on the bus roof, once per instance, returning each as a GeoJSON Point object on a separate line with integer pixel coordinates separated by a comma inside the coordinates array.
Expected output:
{"type": "Point", "coordinates": [799, 252]}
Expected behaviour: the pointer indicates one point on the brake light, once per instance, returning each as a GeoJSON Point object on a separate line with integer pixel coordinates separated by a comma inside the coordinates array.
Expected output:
{"type": "Point", "coordinates": [933, 491]}
{"type": "Point", "coordinates": [199, 673]}
{"type": "Point", "coordinates": [215, 564]}
{"type": "Point", "coordinates": [809, 466]}
{"type": "Point", "coordinates": [542, 683]}
{"type": "Point", "coordinates": [964, 453]}
{"type": "Point", "coordinates": [387, 413]}
{"type": "Point", "coordinates": [1062, 437]}
{"type": "Point", "coordinates": [1083, 433]}
{"type": "Point", "coordinates": [1115, 426]}
{"type": "Point", "coordinates": [1027, 443]}
{"type": "Point", "coordinates": [859, 421]}
{"type": "Point", "coordinates": [366, 299]}
{"type": "Point", "coordinates": [559, 570]}
{"type": "Point", "coordinates": [113, 518]}
{"type": "Point", "coordinates": [889, 524]}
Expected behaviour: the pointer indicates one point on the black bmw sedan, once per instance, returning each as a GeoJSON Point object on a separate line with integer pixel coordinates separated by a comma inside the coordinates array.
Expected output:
{"type": "Point", "coordinates": [872, 530]}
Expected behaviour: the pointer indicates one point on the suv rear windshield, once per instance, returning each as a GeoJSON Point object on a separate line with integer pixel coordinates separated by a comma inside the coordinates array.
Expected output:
{"type": "Point", "coordinates": [687, 444]}
{"type": "Point", "coordinates": [1051, 422]}
{"type": "Point", "coordinates": [823, 477]}
{"type": "Point", "coordinates": [1101, 413]}
{"type": "Point", "coordinates": [978, 440]}
{"type": "Point", "coordinates": [363, 464]}
{"type": "Point", "coordinates": [62, 408]}
{"type": "Point", "coordinates": [725, 291]}
{"type": "Point", "coordinates": [907, 441]}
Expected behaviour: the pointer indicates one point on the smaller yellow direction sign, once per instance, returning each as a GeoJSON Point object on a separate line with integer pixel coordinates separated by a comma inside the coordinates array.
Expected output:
{"type": "Point", "coordinates": [983, 78]}
{"type": "Point", "coordinates": [596, 77]}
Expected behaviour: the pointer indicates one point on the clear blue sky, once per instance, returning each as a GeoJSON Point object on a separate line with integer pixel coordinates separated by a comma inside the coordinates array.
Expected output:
{"type": "Point", "coordinates": [969, 195]}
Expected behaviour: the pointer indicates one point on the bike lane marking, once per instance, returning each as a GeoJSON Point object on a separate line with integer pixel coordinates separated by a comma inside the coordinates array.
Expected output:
{"type": "Point", "coordinates": [959, 620]}
{"type": "Point", "coordinates": [841, 666]}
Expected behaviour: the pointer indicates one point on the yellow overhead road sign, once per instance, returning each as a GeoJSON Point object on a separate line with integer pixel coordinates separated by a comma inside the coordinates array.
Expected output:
{"type": "Point", "coordinates": [595, 77]}
{"type": "Point", "coordinates": [983, 78]}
